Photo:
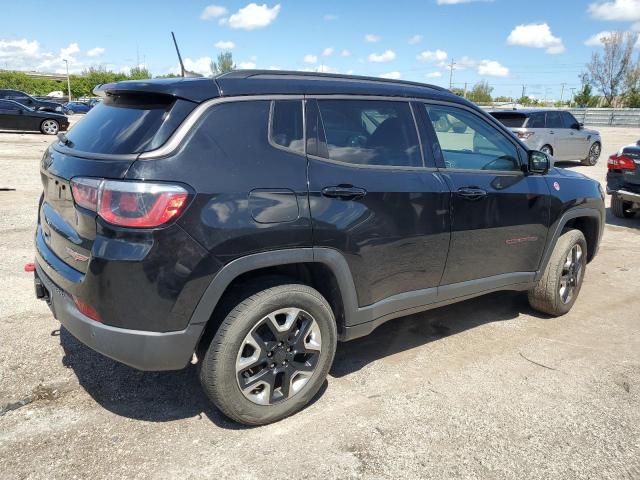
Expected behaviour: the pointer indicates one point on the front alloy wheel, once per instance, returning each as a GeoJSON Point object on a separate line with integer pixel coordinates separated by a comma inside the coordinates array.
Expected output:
{"type": "Point", "coordinates": [49, 127]}
{"type": "Point", "coordinates": [571, 274]}
{"type": "Point", "coordinates": [594, 155]}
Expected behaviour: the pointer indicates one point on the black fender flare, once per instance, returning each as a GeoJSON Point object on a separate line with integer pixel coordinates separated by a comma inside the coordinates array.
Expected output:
{"type": "Point", "coordinates": [327, 256]}
{"type": "Point", "coordinates": [559, 225]}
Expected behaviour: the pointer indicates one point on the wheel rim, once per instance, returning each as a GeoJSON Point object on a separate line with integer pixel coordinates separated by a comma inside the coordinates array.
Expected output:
{"type": "Point", "coordinates": [278, 356]}
{"type": "Point", "coordinates": [49, 126]}
{"type": "Point", "coordinates": [594, 153]}
{"type": "Point", "coordinates": [571, 274]}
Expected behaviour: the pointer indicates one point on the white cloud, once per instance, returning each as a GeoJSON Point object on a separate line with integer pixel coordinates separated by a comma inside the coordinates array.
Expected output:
{"type": "Point", "coordinates": [371, 38]}
{"type": "Point", "coordinates": [225, 45]}
{"type": "Point", "coordinates": [95, 52]}
{"type": "Point", "coordinates": [19, 48]}
{"type": "Point", "coordinates": [247, 65]}
{"type": "Point", "coordinates": [596, 40]}
{"type": "Point", "coordinates": [69, 51]}
{"type": "Point", "coordinates": [387, 56]}
{"type": "Point", "coordinates": [345, 53]}
{"type": "Point", "coordinates": [254, 16]}
{"type": "Point", "coordinates": [326, 69]}
{"type": "Point", "coordinates": [429, 56]}
{"type": "Point", "coordinates": [618, 10]}
{"type": "Point", "coordinates": [492, 68]}
{"type": "Point", "coordinates": [414, 40]}
{"type": "Point", "coordinates": [310, 58]}
{"type": "Point", "coordinates": [200, 65]}
{"type": "Point", "coordinates": [327, 51]}
{"type": "Point", "coordinates": [433, 75]}
{"type": "Point", "coordinates": [456, 2]}
{"type": "Point", "coordinates": [536, 35]}
{"type": "Point", "coordinates": [392, 75]}
{"type": "Point", "coordinates": [330, 17]}
{"type": "Point", "coordinates": [213, 11]}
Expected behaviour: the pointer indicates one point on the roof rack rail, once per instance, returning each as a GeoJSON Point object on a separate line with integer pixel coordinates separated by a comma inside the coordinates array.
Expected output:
{"type": "Point", "coordinates": [328, 76]}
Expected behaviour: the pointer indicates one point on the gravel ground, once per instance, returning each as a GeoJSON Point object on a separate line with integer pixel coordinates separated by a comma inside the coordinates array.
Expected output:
{"type": "Point", "coordinates": [483, 389]}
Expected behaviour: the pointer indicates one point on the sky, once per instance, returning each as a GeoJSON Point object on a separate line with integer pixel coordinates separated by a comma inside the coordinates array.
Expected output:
{"type": "Point", "coordinates": [512, 44]}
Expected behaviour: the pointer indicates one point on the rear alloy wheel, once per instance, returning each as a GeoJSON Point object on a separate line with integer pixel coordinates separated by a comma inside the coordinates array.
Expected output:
{"type": "Point", "coordinates": [546, 149]}
{"type": "Point", "coordinates": [594, 155]}
{"type": "Point", "coordinates": [49, 127]}
{"type": "Point", "coordinates": [271, 354]}
{"type": "Point", "coordinates": [557, 290]}
{"type": "Point", "coordinates": [620, 208]}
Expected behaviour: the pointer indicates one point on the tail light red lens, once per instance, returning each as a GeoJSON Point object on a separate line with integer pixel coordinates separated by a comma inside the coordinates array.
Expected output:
{"type": "Point", "coordinates": [525, 135]}
{"type": "Point", "coordinates": [87, 310]}
{"type": "Point", "coordinates": [130, 204]}
{"type": "Point", "coordinates": [620, 162]}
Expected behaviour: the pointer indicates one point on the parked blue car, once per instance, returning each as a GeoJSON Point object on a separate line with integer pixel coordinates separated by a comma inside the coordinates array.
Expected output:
{"type": "Point", "coordinates": [76, 107]}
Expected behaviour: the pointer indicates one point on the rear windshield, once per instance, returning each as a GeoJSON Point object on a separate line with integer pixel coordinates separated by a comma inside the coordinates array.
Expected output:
{"type": "Point", "coordinates": [511, 120]}
{"type": "Point", "coordinates": [128, 124]}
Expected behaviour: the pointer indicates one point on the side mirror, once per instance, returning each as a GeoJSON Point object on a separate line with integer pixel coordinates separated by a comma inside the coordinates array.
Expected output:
{"type": "Point", "coordinates": [539, 162]}
{"type": "Point", "coordinates": [577, 126]}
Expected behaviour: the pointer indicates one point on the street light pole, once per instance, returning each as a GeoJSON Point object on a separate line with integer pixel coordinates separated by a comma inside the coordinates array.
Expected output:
{"type": "Point", "coordinates": [68, 81]}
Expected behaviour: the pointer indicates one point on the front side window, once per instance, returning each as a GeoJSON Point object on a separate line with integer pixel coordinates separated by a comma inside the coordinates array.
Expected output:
{"type": "Point", "coordinates": [287, 129]}
{"type": "Point", "coordinates": [569, 120]}
{"type": "Point", "coordinates": [370, 132]}
{"type": "Point", "coordinates": [470, 143]}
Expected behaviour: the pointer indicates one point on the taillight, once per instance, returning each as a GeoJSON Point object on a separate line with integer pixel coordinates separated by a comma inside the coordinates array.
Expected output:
{"type": "Point", "coordinates": [620, 162]}
{"type": "Point", "coordinates": [85, 192]}
{"type": "Point", "coordinates": [130, 204]}
{"type": "Point", "coordinates": [525, 135]}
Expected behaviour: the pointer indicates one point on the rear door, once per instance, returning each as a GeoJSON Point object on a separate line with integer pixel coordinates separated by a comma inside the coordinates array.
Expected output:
{"type": "Point", "coordinates": [374, 198]}
{"type": "Point", "coordinates": [559, 135]}
{"type": "Point", "coordinates": [499, 215]}
{"type": "Point", "coordinates": [8, 115]}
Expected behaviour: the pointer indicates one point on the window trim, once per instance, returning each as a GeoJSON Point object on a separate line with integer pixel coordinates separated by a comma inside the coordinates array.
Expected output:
{"type": "Point", "coordinates": [422, 168]}
{"type": "Point", "coordinates": [304, 128]}
{"type": "Point", "coordinates": [438, 155]}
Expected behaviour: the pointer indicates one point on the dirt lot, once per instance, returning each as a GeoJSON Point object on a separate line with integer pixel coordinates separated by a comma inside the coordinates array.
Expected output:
{"type": "Point", "coordinates": [483, 389]}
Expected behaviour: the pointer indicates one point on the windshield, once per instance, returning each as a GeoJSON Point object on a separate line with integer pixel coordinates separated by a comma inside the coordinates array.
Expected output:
{"type": "Point", "coordinates": [510, 119]}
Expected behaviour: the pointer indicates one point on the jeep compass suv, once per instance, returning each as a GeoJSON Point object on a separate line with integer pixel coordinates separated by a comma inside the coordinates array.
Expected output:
{"type": "Point", "coordinates": [248, 222]}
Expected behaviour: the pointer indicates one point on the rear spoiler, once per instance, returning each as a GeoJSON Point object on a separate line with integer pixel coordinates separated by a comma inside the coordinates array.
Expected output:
{"type": "Point", "coordinates": [192, 89]}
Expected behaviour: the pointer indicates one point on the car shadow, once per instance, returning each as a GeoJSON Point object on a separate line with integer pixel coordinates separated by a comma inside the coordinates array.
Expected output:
{"type": "Point", "coordinates": [167, 396]}
{"type": "Point", "coordinates": [611, 219]}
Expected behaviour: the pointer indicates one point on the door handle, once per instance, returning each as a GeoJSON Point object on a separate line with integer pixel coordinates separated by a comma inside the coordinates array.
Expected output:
{"type": "Point", "coordinates": [551, 132]}
{"type": "Point", "coordinates": [345, 192]}
{"type": "Point", "coordinates": [471, 193]}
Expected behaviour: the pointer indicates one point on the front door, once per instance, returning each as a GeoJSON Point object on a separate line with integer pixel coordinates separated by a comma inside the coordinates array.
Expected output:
{"type": "Point", "coordinates": [499, 215]}
{"type": "Point", "coordinates": [373, 198]}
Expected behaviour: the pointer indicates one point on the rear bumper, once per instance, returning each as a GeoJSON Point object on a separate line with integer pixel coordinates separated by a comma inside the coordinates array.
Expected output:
{"type": "Point", "coordinates": [626, 195]}
{"type": "Point", "coordinates": [139, 349]}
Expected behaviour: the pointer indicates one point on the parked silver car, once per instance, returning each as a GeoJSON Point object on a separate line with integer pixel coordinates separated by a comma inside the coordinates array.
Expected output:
{"type": "Point", "coordinates": [555, 132]}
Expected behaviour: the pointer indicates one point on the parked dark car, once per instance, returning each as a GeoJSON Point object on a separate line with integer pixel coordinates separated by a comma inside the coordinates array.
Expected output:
{"type": "Point", "coordinates": [14, 116]}
{"type": "Point", "coordinates": [29, 101]}
{"type": "Point", "coordinates": [554, 132]}
{"type": "Point", "coordinates": [76, 107]}
{"type": "Point", "coordinates": [248, 222]}
{"type": "Point", "coordinates": [623, 181]}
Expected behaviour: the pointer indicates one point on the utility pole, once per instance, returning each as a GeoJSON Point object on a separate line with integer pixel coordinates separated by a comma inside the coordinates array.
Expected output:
{"type": "Point", "coordinates": [465, 90]}
{"type": "Point", "coordinates": [68, 81]}
{"type": "Point", "coordinates": [562, 92]}
{"type": "Point", "coordinates": [524, 89]}
{"type": "Point", "coordinates": [451, 73]}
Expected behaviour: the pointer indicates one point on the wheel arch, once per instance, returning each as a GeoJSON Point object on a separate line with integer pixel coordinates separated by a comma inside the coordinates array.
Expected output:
{"type": "Point", "coordinates": [324, 269]}
{"type": "Point", "coordinates": [589, 221]}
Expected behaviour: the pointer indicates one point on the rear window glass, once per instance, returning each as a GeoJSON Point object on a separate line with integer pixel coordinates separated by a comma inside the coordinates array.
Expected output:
{"type": "Point", "coordinates": [125, 124]}
{"type": "Point", "coordinates": [511, 120]}
{"type": "Point", "coordinates": [286, 124]}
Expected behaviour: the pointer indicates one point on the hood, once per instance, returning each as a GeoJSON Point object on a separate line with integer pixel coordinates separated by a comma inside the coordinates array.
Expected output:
{"type": "Point", "coordinates": [565, 172]}
{"type": "Point", "coordinates": [591, 132]}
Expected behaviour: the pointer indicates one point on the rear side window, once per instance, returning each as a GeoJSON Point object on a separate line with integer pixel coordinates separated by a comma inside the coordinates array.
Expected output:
{"type": "Point", "coordinates": [287, 128]}
{"type": "Point", "coordinates": [370, 132]}
{"type": "Point", "coordinates": [125, 124]}
{"type": "Point", "coordinates": [511, 120]}
{"type": "Point", "coordinates": [554, 120]}
{"type": "Point", "coordinates": [536, 120]}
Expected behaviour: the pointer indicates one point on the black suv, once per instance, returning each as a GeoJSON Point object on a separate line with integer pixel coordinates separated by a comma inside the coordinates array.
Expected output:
{"type": "Point", "coordinates": [249, 222]}
{"type": "Point", "coordinates": [28, 101]}
{"type": "Point", "coordinates": [623, 181]}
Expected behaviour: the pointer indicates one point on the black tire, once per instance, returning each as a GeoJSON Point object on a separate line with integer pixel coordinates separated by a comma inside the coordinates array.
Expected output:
{"type": "Point", "coordinates": [546, 296]}
{"type": "Point", "coordinates": [594, 154]}
{"type": "Point", "coordinates": [218, 374]}
{"type": "Point", "coordinates": [620, 208]}
{"type": "Point", "coordinates": [547, 149]}
{"type": "Point", "coordinates": [49, 127]}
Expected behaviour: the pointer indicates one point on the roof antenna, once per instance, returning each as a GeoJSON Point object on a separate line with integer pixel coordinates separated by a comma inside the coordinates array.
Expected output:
{"type": "Point", "coordinates": [185, 73]}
